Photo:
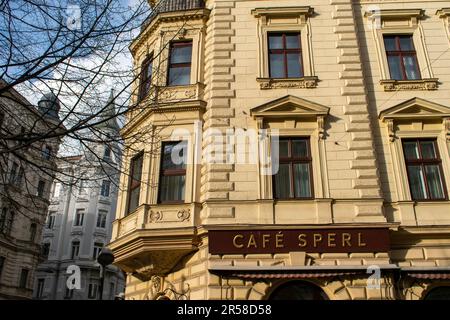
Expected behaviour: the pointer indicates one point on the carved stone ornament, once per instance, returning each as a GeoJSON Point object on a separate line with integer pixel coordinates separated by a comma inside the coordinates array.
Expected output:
{"type": "Point", "coordinates": [447, 128]}
{"type": "Point", "coordinates": [391, 132]}
{"type": "Point", "coordinates": [184, 214]}
{"type": "Point", "coordinates": [155, 216]}
{"type": "Point", "coordinates": [272, 83]}
{"type": "Point", "coordinates": [406, 85]}
{"type": "Point", "coordinates": [321, 126]}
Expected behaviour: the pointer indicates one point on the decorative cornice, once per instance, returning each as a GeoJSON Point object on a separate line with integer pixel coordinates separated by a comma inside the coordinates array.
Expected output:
{"type": "Point", "coordinates": [283, 11]}
{"type": "Point", "coordinates": [273, 83]}
{"type": "Point", "coordinates": [194, 14]}
{"type": "Point", "coordinates": [395, 14]}
{"type": "Point", "coordinates": [443, 13]}
{"type": "Point", "coordinates": [406, 85]}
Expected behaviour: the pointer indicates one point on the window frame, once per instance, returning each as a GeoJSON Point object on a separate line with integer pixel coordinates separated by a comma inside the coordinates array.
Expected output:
{"type": "Point", "coordinates": [73, 245]}
{"type": "Point", "coordinates": [423, 162]}
{"type": "Point", "coordinates": [40, 287]}
{"type": "Point", "coordinates": [47, 152]}
{"type": "Point", "coordinates": [291, 161]}
{"type": "Point", "coordinates": [102, 221]}
{"type": "Point", "coordinates": [97, 249]}
{"type": "Point", "coordinates": [108, 188]}
{"type": "Point", "coordinates": [75, 221]}
{"type": "Point", "coordinates": [285, 51]}
{"type": "Point", "coordinates": [91, 286]}
{"type": "Point", "coordinates": [400, 53]}
{"type": "Point", "coordinates": [23, 280]}
{"type": "Point", "coordinates": [171, 172]}
{"type": "Point", "coordinates": [148, 62]}
{"type": "Point", "coordinates": [40, 189]}
{"type": "Point", "coordinates": [170, 65]}
{"type": "Point", "coordinates": [131, 181]}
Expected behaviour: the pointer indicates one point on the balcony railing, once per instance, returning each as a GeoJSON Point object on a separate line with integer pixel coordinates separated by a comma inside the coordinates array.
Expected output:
{"type": "Point", "coordinates": [171, 6]}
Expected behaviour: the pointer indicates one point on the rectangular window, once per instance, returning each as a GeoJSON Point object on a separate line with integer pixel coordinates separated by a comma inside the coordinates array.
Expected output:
{"type": "Point", "coordinates": [93, 291]}
{"type": "Point", "coordinates": [107, 153]}
{"type": "Point", "coordinates": [83, 186]}
{"type": "Point", "coordinates": [285, 55]}
{"type": "Point", "coordinates": [134, 186]}
{"type": "Point", "coordinates": [51, 220]}
{"type": "Point", "coordinates": [2, 265]}
{"type": "Point", "coordinates": [33, 230]}
{"type": "Point", "coordinates": [146, 77]}
{"type": "Point", "coordinates": [40, 188]}
{"type": "Point", "coordinates": [56, 190]}
{"type": "Point", "coordinates": [401, 56]}
{"type": "Point", "coordinates": [23, 281]}
{"type": "Point", "coordinates": [40, 288]}
{"type": "Point", "coordinates": [46, 152]}
{"type": "Point", "coordinates": [105, 188]}
{"type": "Point", "coordinates": [294, 177]}
{"type": "Point", "coordinates": [68, 294]}
{"type": "Point", "coordinates": [79, 217]}
{"type": "Point", "coordinates": [75, 250]}
{"type": "Point", "coordinates": [13, 173]}
{"type": "Point", "coordinates": [180, 63]}
{"type": "Point", "coordinates": [45, 250]}
{"type": "Point", "coordinates": [101, 218]}
{"type": "Point", "coordinates": [173, 172]}
{"type": "Point", "coordinates": [424, 167]}
{"type": "Point", "coordinates": [97, 248]}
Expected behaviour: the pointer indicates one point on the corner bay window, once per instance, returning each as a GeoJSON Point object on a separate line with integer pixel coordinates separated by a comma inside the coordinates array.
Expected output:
{"type": "Point", "coordinates": [180, 63]}
{"type": "Point", "coordinates": [294, 176]}
{"type": "Point", "coordinates": [134, 186]}
{"type": "Point", "coordinates": [173, 172]}
{"type": "Point", "coordinates": [285, 55]}
{"type": "Point", "coordinates": [401, 56]}
{"type": "Point", "coordinates": [424, 169]}
{"type": "Point", "coordinates": [146, 77]}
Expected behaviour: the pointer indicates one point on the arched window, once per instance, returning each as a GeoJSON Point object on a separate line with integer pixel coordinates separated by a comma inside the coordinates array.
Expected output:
{"type": "Point", "coordinates": [298, 290]}
{"type": "Point", "coordinates": [439, 293]}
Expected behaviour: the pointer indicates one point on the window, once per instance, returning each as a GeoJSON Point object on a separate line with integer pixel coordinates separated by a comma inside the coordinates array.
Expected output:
{"type": "Point", "coordinates": [3, 218]}
{"type": "Point", "coordinates": [135, 182]}
{"type": "Point", "coordinates": [40, 288]}
{"type": "Point", "coordinates": [105, 188]}
{"type": "Point", "coordinates": [56, 190]}
{"type": "Point", "coordinates": [93, 291]}
{"type": "Point", "coordinates": [51, 220]}
{"type": "Point", "coordinates": [23, 280]}
{"type": "Point", "coordinates": [146, 77]}
{"type": "Point", "coordinates": [82, 187]}
{"type": "Point", "coordinates": [112, 291]}
{"type": "Point", "coordinates": [46, 152]}
{"type": "Point", "coordinates": [294, 176]}
{"type": "Point", "coordinates": [180, 63]}
{"type": "Point", "coordinates": [401, 56]}
{"type": "Point", "coordinates": [9, 222]}
{"type": "Point", "coordinates": [33, 230]}
{"type": "Point", "coordinates": [45, 250]}
{"type": "Point", "coordinates": [107, 153]}
{"type": "Point", "coordinates": [98, 246]}
{"type": "Point", "coordinates": [424, 169]}
{"type": "Point", "coordinates": [79, 217]}
{"type": "Point", "coordinates": [285, 55]}
{"type": "Point", "coordinates": [101, 218]}
{"type": "Point", "coordinates": [75, 249]}
{"type": "Point", "coordinates": [68, 294]}
{"type": "Point", "coordinates": [40, 188]}
{"type": "Point", "coordinates": [13, 173]}
{"type": "Point", "coordinates": [173, 172]}
{"type": "Point", "coordinates": [2, 265]}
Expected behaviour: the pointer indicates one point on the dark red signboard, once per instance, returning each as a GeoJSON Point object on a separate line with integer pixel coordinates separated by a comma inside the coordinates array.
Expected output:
{"type": "Point", "coordinates": [289, 240]}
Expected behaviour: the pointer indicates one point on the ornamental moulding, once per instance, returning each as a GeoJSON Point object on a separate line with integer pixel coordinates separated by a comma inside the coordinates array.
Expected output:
{"type": "Point", "coordinates": [304, 82]}
{"type": "Point", "coordinates": [400, 85]}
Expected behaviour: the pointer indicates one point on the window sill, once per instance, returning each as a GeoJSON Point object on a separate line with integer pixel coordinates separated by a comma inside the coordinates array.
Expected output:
{"type": "Point", "coordinates": [308, 82]}
{"type": "Point", "coordinates": [409, 85]}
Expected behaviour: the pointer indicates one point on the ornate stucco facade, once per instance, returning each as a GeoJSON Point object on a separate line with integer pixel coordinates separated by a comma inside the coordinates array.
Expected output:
{"type": "Point", "coordinates": [24, 189]}
{"type": "Point", "coordinates": [357, 118]}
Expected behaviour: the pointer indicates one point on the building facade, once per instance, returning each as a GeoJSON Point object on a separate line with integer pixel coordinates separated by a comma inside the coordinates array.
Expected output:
{"type": "Point", "coordinates": [82, 209]}
{"type": "Point", "coordinates": [314, 139]}
{"type": "Point", "coordinates": [24, 185]}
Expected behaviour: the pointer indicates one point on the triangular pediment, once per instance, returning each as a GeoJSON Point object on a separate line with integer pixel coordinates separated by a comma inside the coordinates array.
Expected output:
{"type": "Point", "coordinates": [416, 108]}
{"type": "Point", "coordinates": [290, 106]}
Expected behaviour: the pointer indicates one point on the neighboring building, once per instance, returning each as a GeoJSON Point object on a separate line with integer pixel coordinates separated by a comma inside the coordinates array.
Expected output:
{"type": "Point", "coordinates": [354, 99]}
{"type": "Point", "coordinates": [82, 209]}
{"type": "Point", "coordinates": [26, 174]}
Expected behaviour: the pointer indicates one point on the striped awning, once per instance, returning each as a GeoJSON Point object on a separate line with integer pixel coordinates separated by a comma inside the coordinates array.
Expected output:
{"type": "Point", "coordinates": [431, 276]}
{"type": "Point", "coordinates": [289, 275]}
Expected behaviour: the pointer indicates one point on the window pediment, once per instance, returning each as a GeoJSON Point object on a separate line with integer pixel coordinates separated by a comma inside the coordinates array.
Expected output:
{"type": "Point", "coordinates": [290, 106]}
{"type": "Point", "coordinates": [415, 108]}
{"type": "Point", "coordinates": [409, 16]}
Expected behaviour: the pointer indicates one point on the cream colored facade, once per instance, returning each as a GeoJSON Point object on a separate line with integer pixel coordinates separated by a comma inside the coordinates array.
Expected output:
{"type": "Point", "coordinates": [355, 116]}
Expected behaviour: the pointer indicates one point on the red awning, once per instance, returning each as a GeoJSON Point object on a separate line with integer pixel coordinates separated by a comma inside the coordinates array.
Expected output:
{"type": "Point", "coordinates": [289, 275]}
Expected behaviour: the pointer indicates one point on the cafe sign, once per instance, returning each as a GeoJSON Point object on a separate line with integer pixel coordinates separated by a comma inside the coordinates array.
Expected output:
{"type": "Point", "coordinates": [307, 240]}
